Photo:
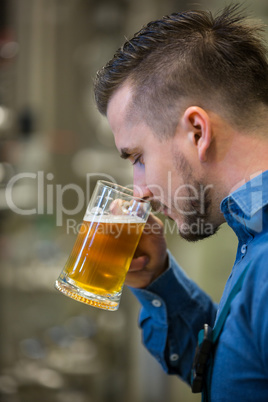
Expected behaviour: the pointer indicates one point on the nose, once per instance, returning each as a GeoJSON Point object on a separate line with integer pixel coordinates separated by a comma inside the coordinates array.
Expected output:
{"type": "Point", "coordinates": [140, 188]}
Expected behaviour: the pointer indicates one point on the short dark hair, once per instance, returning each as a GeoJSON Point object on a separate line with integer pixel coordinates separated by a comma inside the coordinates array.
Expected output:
{"type": "Point", "coordinates": [191, 58]}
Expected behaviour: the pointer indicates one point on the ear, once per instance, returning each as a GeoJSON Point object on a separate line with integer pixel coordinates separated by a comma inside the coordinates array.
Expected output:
{"type": "Point", "coordinates": [198, 126]}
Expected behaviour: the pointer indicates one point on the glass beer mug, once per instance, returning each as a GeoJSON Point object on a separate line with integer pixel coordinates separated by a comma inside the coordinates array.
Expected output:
{"type": "Point", "coordinates": [112, 226]}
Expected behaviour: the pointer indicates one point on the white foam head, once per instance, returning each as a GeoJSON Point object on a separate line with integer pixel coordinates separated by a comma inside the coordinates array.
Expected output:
{"type": "Point", "coordinates": [110, 218]}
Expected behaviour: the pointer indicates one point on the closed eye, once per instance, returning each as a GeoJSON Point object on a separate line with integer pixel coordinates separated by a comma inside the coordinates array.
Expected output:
{"type": "Point", "coordinates": [133, 155]}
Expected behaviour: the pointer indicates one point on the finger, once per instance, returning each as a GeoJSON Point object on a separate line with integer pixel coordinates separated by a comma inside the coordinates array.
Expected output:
{"type": "Point", "coordinates": [139, 263]}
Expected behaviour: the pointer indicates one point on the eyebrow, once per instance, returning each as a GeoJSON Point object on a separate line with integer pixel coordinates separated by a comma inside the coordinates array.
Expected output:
{"type": "Point", "coordinates": [125, 153]}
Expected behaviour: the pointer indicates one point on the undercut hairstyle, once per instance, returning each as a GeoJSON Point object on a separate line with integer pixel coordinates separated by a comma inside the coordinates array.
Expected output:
{"type": "Point", "coordinates": [191, 59]}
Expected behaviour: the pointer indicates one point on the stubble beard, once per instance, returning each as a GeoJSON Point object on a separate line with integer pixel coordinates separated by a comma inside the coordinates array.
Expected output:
{"type": "Point", "coordinates": [196, 221]}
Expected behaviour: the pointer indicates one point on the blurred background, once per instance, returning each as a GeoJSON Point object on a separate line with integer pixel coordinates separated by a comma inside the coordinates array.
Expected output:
{"type": "Point", "coordinates": [53, 147]}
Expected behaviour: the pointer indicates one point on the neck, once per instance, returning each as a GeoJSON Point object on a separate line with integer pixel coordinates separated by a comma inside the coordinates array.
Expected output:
{"type": "Point", "coordinates": [249, 156]}
{"type": "Point", "coordinates": [245, 157]}
{"type": "Point", "coordinates": [235, 156]}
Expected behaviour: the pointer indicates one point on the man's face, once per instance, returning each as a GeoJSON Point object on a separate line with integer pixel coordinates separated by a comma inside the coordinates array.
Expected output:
{"type": "Point", "coordinates": [161, 171]}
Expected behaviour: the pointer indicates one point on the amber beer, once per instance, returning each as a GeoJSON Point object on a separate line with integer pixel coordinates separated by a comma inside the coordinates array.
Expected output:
{"type": "Point", "coordinates": [95, 271]}
{"type": "Point", "coordinates": [102, 254]}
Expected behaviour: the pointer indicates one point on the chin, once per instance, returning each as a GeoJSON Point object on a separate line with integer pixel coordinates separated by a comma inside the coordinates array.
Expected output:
{"type": "Point", "coordinates": [196, 230]}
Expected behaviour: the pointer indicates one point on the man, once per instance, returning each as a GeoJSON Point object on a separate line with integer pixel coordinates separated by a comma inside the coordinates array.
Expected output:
{"type": "Point", "coordinates": [187, 101]}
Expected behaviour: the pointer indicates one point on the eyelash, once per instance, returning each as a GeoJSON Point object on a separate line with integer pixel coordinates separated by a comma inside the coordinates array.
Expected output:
{"type": "Point", "coordinates": [138, 160]}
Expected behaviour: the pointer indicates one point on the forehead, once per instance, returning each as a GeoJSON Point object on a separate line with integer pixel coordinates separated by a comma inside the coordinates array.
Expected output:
{"type": "Point", "coordinates": [118, 107]}
{"type": "Point", "coordinates": [125, 126]}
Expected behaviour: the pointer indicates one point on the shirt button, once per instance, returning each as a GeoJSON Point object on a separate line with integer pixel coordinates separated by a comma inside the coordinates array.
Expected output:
{"type": "Point", "coordinates": [156, 303]}
{"type": "Point", "coordinates": [174, 357]}
{"type": "Point", "coordinates": [243, 249]}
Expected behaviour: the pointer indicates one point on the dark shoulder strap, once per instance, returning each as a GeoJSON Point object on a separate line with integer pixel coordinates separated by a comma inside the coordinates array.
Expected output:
{"type": "Point", "coordinates": [226, 308]}
{"type": "Point", "coordinates": [202, 365]}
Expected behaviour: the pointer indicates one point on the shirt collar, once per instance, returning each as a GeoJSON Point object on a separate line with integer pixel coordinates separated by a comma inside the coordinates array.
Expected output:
{"type": "Point", "coordinates": [244, 206]}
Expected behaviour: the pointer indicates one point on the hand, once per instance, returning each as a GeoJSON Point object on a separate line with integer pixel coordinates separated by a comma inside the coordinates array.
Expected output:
{"type": "Point", "coordinates": [151, 258]}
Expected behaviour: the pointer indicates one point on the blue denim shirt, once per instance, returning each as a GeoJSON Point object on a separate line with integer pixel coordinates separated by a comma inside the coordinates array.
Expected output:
{"type": "Point", "coordinates": [174, 308]}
